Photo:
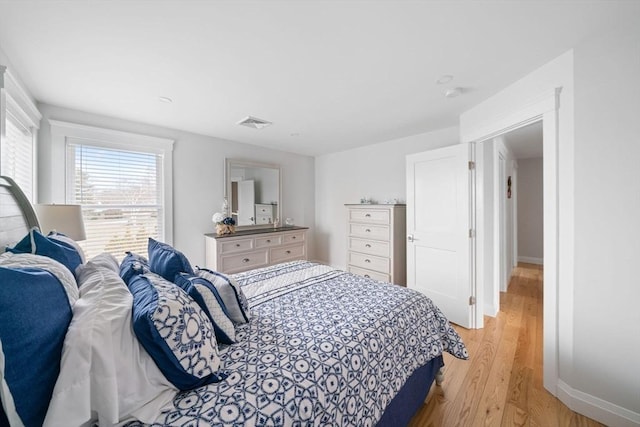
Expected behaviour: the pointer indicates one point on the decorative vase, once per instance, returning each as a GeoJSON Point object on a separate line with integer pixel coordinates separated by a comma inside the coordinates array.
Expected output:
{"type": "Point", "coordinates": [225, 229]}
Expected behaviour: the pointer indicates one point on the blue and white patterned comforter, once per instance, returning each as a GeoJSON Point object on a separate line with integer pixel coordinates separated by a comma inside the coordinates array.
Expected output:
{"type": "Point", "coordinates": [323, 347]}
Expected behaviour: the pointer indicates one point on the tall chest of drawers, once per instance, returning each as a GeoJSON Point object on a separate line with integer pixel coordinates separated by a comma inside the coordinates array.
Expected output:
{"type": "Point", "coordinates": [248, 249]}
{"type": "Point", "coordinates": [376, 246]}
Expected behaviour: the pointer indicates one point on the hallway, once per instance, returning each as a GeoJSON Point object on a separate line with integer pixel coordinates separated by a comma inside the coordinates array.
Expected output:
{"type": "Point", "coordinates": [501, 383]}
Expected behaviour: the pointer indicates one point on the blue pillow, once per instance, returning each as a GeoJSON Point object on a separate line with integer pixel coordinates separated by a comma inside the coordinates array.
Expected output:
{"type": "Point", "coordinates": [175, 332]}
{"type": "Point", "coordinates": [167, 261]}
{"type": "Point", "coordinates": [34, 317]}
{"type": "Point", "coordinates": [133, 265]}
{"type": "Point", "coordinates": [234, 299]}
{"type": "Point", "coordinates": [36, 243]}
{"type": "Point", "coordinates": [207, 297]}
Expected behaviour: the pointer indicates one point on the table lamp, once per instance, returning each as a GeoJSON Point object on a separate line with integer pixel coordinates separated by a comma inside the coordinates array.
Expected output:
{"type": "Point", "coordinates": [65, 219]}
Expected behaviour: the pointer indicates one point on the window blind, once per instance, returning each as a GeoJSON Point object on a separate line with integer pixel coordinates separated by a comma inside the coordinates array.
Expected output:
{"type": "Point", "coordinates": [17, 155]}
{"type": "Point", "coordinates": [121, 196]}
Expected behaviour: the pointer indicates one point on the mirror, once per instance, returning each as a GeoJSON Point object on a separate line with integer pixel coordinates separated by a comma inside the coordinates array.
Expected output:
{"type": "Point", "coordinates": [253, 192]}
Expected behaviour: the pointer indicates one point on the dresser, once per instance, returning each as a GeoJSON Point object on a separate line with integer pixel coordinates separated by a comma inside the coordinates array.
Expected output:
{"type": "Point", "coordinates": [376, 246]}
{"type": "Point", "coordinates": [248, 249]}
{"type": "Point", "coordinates": [264, 213]}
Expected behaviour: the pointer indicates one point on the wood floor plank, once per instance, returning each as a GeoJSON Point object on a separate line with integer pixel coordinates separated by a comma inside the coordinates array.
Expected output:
{"type": "Point", "coordinates": [501, 383]}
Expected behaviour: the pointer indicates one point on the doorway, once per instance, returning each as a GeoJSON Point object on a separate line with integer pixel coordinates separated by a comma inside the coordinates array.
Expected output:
{"type": "Point", "coordinates": [518, 207]}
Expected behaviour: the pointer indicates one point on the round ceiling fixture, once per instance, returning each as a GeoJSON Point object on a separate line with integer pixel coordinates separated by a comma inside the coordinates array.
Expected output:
{"type": "Point", "coordinates": [165, 99]}
{"type": "Point", "coordinates": [444, 79]}
{"type": "Point", "coordinates": [453, 92]}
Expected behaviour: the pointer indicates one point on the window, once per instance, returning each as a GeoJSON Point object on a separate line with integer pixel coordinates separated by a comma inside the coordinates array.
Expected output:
{"type": "Point", "coordinates": [123, 183]}
{"type": "Point", "coordinates": [19, 122]}
{"type": "Point", "coordinates": [17, 155]}
{"type": "Point", "coordinates": [121, 196]}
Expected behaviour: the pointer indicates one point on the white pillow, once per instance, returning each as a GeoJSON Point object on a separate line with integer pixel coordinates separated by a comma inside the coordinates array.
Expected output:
{"type": "Point", "coordinates": [63, 274]}
{"type": "Point", "coordinates": [105, 375]}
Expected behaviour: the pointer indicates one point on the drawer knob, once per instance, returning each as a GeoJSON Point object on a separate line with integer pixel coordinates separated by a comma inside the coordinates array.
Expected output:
{"type": "Point", "coordinates": [268, 240]}
{"type": "Point", "coordinates": [293, 237]}
{"type": "Point", "coordinates": [367, 260]}
{"type": "Point", "coordinates": [246, 260]}
{"type": "Point", "coordinates": [368, 216]}
{"type": "Point", "coordinates": [367, 230]}
{"type": "Point", "coordinates": [288, 252]}
{"type": "Point", "coordinates": [237, 245]}
{"type": "Point", "coordinates": [367, 276]}
{"type": "Point", "coordinates": [367, 245]}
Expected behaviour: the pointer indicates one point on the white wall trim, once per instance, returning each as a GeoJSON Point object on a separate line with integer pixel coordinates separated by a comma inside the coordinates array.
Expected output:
{"type": "Point", "coordinates": [21, 98]}
{"type": "Point", "coordinates": [61, 132]}
{"type": "Point", "coordinates": [491, 310]}
{"type": "Point", "coordinates": [543, 106]}
{"type": "Point", "coordinates": [531, 260]}
{"type": "Point", "coordinates": [593, 407]}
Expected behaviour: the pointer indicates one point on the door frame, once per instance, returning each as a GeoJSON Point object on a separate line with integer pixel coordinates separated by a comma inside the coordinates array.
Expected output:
{"type": "Point", "coordinates": [544, 107]}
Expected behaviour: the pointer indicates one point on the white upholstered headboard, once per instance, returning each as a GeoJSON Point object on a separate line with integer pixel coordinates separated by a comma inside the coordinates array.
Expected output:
{"type": "Point", "coordinates": [17, 216]}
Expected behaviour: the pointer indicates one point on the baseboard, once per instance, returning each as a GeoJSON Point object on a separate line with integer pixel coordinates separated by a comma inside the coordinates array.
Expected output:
{"type": "Point", "coordinates": [530, 260]}
{"type": "Point", "coordinates": [593, 407]}
{"type": "Point", "coordinates": [490, 310]}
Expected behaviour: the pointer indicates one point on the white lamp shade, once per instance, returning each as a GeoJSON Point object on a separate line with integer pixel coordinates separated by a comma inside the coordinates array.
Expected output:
{"type": "Point", "coordinates": [65, 219]}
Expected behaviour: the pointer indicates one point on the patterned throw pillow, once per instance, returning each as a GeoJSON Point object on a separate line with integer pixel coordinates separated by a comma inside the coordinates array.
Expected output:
{"type": "Point", "coordinates": [207, 297]}
{"type": "Point", "coordinates": [175, 332]}
{"type": "Point", "coordinates": [167, 261]}
{"type": "Point", "coordinates": [36, 243]}
{"type": "Point", "coordinates": [234, 299]}
{"type": "Point", "coordinates": [133, 265]}
{"type": "Point", "coordinates": [35, 312]}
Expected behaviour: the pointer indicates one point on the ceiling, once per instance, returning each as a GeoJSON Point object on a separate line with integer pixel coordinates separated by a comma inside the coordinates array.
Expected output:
{"type": "Point", "coordinates": [330, 75]}
{"type": "Point", "coordinates": [525, 142]}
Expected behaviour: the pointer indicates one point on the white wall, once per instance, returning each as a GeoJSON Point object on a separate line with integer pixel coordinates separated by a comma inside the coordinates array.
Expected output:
{"type": "Point", "coordinates": [530, 203]}
{"type": "Point", "coordinates": [376, 171]}
{"type": "Point", "coordinates": [599, 204]}
{"type": "Point", "coordinates": [198, 175]}
{"type": "Point", "coordinates": [607, 208]}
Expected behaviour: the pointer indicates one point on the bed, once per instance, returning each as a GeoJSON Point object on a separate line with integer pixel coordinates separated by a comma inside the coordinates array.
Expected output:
{"type": "Point", "coordinates": [321, 347]}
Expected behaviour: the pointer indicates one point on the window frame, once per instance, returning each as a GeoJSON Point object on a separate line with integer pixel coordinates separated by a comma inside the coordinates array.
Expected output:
{"type": "Point", "coordinates": [15, 101]}
{"type": "Point", "coordinates": [65, 133]}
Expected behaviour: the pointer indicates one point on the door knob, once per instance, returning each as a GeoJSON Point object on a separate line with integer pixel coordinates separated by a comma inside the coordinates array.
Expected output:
{"type": "Point", "coordinates": [410, 238]}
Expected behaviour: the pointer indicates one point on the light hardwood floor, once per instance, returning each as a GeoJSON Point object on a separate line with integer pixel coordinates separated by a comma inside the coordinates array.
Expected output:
{"type": "Point", "coordinates": [501, 383]}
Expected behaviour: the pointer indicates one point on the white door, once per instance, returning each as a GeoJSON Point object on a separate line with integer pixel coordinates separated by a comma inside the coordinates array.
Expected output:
{"type": "Point", "coordinates": [439, 247]}
{"type": "Point", "coordinates": [246, 202]}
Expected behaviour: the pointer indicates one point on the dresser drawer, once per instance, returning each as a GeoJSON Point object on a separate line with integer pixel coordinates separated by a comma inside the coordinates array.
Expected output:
{"type": "Point", "coordinates": [244, 261]}
{"type": "Point", "coordinates": [287, 253]}
{"type": "Point", "coordinates": [292, 237]}
{"type": "Point", "coordinates": [267, 241]}
{"type": "Point", "coordinates": [370, 216]}
{"type": "Point", "coordinates": [261, 220]}
{"type": "Point", "coordinates": [266, 210]}
{"type": "Point", "coordinates": [369, 274]}
{"type": "Point", "coordinates": [370, 262]}
{"type": "Point", "coordinates": [236, 245]}
{"type": "Point", "coordinates": [372, 247]}
{"type": "Point", "coordinates": [378, 232]}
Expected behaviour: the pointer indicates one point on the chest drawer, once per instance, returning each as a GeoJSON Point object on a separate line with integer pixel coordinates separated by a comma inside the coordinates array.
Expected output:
{"type": "Point", "coordinates": [370, 262]}
{"type": "Point", "coordinates": [266, 210]}
{"type": "Point", "coordinates": [373, 247]}
{"type": "Point", "coordinates": [292, 237]}
{"type": "Point", "coordinates": [369, 274]}
{"type": "Point", "coordinates": [265, 242]}
{"type": "Point", "coordinates": [370, 216]}
{"type": "Point", "coordinates": [244, 261]}
{"type": "Point", "coordinates": [287, 253]}
{"type": "Point", "coordinates": [378, 232]}
{"type": "Point", "coordinates": [237, 245]}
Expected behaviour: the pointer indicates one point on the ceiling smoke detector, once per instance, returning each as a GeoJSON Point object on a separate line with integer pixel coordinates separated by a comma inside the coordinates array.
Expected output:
{"type": "Point", "coordinates": [253, 122]}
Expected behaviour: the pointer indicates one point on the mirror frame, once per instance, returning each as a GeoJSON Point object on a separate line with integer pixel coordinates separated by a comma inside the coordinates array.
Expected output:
{"type": "Point", "coordinates": [231, 163]}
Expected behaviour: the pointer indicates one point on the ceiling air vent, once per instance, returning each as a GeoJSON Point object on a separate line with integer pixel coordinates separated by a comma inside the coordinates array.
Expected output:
{"type": "Point", "coordinates": [253, 122]}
